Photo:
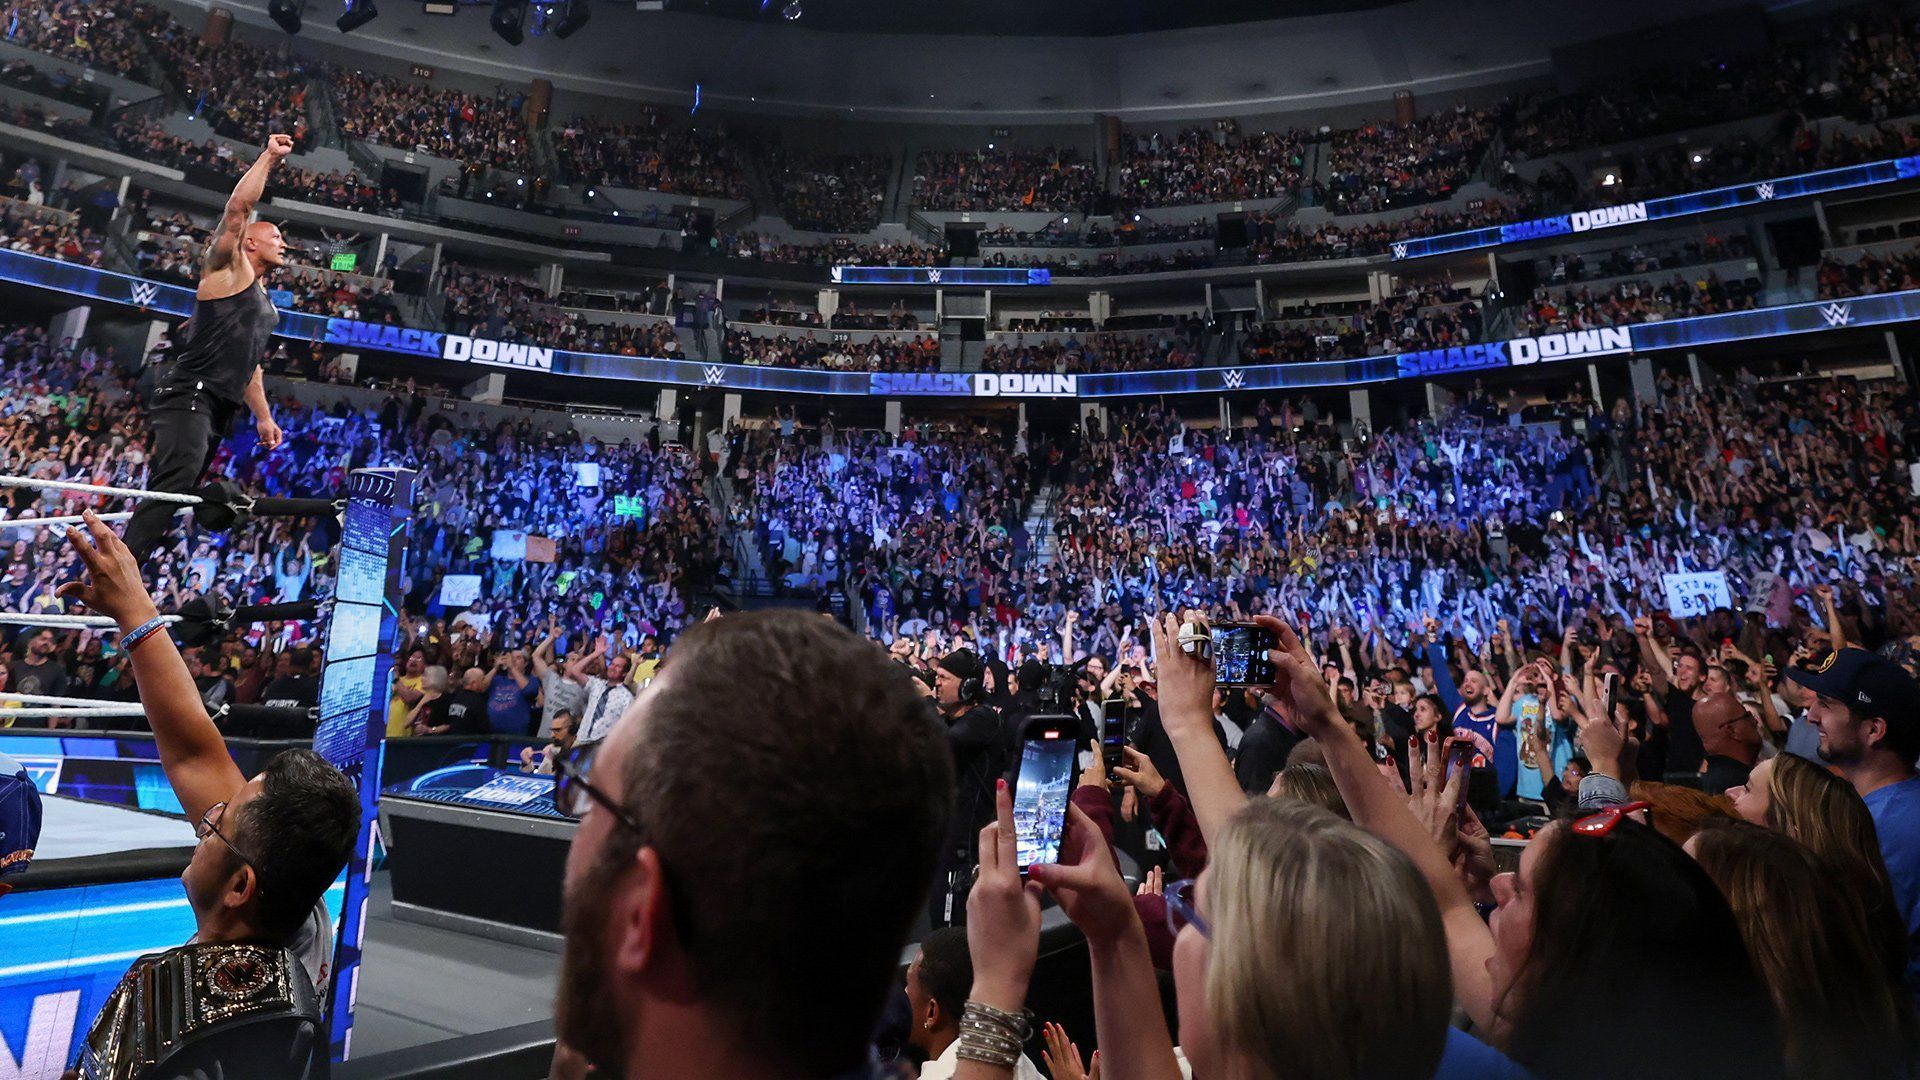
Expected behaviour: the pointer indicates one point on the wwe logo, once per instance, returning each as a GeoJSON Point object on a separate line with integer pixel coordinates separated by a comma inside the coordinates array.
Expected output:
{"type": "Point", "coordinates": [1234, 378]}
{"type": "Point", "coordinates": [837, 273]}
{"type": "Point", "coordinates": [933, 275]}
{"type": "Point", "coordinates": [1837, 314]}
{"type": "Point", "coordinates": [1765, 190]}
{"type": "Point", "coordinates": [145, 292]}
{"type": "Point", "coordinates": [715, 374]}
{"type": "Point", "coordinates": [1399, 251]}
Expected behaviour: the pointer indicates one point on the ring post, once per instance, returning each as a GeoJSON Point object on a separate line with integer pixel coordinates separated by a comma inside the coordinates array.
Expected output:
{"type": "Point", "coordinates": [354, 688]}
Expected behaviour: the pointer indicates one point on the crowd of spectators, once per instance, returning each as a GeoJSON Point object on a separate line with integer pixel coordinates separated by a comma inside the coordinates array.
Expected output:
{"type": "Point", "coordinates": [346, 190]}
{"type": "Point", "coordinates": [835, 194]}
{"type": "Point", "coordinates": [1208, 165]}
{"type": "Point", "coordinates": [1870, 272]}
{"type": "Point", "coordinates": [1005, 179]}
{"type": "Point", "coordinates": [620, 568]}
{"type": "Point", "coordinates": [650, 153]}
{"type": "Point", "coordinates": [1420, 315]}
{"type": "Point", "coordinates": [1623, 303]}
{"type": "Point", "coordinates": [835, 352]}
{"type": "Point", "coordinates": [244, 91]}
{"type": "Point", "coordinates": [111, 35]}
{"type": "Point", "coordinates": [451, 123]}
{"type": "Point", "coordinates": [45, 230]}
{"type": "Point", "coordinates": [1387, 165]}
{"type": "Point", "coordinates": [1178, 346]}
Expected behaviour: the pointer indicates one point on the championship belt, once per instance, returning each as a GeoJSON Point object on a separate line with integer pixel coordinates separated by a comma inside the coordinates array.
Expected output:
{"type": "Point", "coordinates": [172, 999]}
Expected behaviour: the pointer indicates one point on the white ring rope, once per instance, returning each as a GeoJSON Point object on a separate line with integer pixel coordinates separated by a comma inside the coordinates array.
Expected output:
{"type": "Point", "coordinates": [49, 699]}
{"type": "Point", "coordinates": [104, 712]}
{"type": "Point", "coordinates": [73, 519]}
{"type": "Point", "coordinates": [100, 489]}
{"type": "Point", "coordinates": [70, 519]}
{"type": "Point", "coordinates": [22, 618]}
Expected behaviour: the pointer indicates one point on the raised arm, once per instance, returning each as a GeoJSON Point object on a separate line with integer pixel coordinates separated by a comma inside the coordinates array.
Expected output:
{"type": "Point", "coordinates": [192, 752]}
{"type": "Point", "coordinates": [225, 245]}
{"type": "Point", "coordinates": [1651, 654]}
{"type": "Point", "coordinates": [1186, 712]}
{"type": "Point", "coordinates": [1381, 810]}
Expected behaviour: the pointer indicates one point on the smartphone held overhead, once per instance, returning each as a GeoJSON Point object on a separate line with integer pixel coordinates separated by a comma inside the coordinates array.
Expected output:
{"type": "Point", "coordinates": [1240, 654]}
{"type": "Point", "coordinates": [1041, 789]}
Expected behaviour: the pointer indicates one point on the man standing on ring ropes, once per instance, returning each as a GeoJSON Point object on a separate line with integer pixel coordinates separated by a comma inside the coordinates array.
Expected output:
{"type": "Point", "coordinates": [198, 392]}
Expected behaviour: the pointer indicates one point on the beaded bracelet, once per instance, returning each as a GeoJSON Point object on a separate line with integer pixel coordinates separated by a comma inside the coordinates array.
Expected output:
{"type": "Point", "coordinates": [141, 633]}
{"type": "Point", "coordinates": [992, 1037]}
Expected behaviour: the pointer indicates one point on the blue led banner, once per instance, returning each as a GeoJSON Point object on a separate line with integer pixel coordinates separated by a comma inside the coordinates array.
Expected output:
{"type": "Point", "coordinates": [1672, 206]}
{"type": "Point", "coordinates": [107, 286]}
{"type": "Point", "coordinates": [940, 275]}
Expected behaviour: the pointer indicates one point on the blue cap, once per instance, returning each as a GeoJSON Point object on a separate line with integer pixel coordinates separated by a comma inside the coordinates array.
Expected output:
{"type": "Point", "coordinates": [1865, 682]}
{"type": "Point", "coordinates": [19, 817]}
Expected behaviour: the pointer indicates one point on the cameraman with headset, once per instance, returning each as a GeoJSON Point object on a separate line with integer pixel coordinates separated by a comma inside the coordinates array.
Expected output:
{"type": "Point", "coordinates": [973, 734]}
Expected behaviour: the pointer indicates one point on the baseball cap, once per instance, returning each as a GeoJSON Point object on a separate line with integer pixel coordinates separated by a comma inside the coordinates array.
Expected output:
{"type": "Point", "coordinates": [1866, 682]}
{"type": "Point", "coordinates": [962, 663]}
{"type": "Point", "coordinates": [19, 818]}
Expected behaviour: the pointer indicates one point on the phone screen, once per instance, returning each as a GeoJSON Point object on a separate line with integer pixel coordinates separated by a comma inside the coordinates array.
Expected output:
{"type": "Point", "coordinates": [1240, 654]}
{"type": "Point", "coordinates": [1612, 695]}
{"type": "Point", "coordinates": [1040, 793]}
{"type": "Point", "coordinates": [1113, 733]}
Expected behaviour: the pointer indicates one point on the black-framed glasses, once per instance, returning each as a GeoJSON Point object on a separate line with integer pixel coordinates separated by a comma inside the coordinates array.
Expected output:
{"type": "Point", "coordinates": [572, 791]}
{"type": "Point", "coordinates": [1182, 910]}
{"type": "Point", "coordinates": [209, 825]}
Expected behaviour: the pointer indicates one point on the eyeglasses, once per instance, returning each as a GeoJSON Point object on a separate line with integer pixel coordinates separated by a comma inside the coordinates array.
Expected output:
{"type": "Point", "coordinates": [1182, 910]}
{"type": "Point", "coordinates": [208, 825]}
{"type": "Point", "coordinates": [572, 791]}
{"type": "Point", "coordinates": [1607, 820]}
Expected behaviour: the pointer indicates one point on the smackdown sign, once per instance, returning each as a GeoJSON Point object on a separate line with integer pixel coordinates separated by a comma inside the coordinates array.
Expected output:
{"type": "Point", "coordinates": [982, 385]}
{"type": "Point", "coordinates": [939, 275]}
{"type": "Point", "coordinates": [1672, 206]}
{"type": "Point", "coordinates": [1518, 352]}
{"type": "Point", "coordinates": [456, 347]}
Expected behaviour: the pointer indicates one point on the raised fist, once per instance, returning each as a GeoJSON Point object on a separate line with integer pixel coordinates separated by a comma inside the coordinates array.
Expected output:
{"type": "Point", "coordinates": [279, 145]}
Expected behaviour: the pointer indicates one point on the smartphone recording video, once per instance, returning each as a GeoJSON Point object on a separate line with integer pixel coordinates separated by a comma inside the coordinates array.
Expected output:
{"type": "Point", "coordinates": [1040, 790]}
{"type": "Point", "coordinates": [1612, 694]}
{"type": "Point", "coordinates": [1240, 654]}
{"type": "Point", "coordinates": [1113, 734]}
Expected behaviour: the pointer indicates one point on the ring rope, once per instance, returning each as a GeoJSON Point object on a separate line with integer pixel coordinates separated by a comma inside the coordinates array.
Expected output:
{"type": "Point", "coordinates": [69, 519]}
{"type": "Point", "coordinates": [100, 489]}
{"type": "Point", "coordinates": [49, 699]}
{"type": "Point", "coordinates": [38, 712]}
{"type": "Point", "coordinates": [22, 618]}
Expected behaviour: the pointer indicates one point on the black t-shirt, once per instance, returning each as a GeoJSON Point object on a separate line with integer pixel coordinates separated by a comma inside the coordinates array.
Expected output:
{"type": "Point", "coordinates": [1684, 752]}
{"type": "Point", "coordinates": [974, 737]}
{"type": "Point", "coordinates": [292, 692]}
{"type": "Point", "coordinates": [47, 677]}
{"type": "Point", "coordinates": [1723, 773]}
{"type": "Point", "coordinates": [1263, 752]}
{"type": "Point", "coordinates": [467, 712]}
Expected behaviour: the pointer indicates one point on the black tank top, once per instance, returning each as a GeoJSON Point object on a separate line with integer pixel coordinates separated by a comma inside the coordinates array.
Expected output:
{"type": "Point", "coordinates": [226, 339]}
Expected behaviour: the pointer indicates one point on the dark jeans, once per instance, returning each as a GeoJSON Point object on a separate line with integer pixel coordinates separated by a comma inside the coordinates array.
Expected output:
{"type": "Point", "coordinates": [188, 424]}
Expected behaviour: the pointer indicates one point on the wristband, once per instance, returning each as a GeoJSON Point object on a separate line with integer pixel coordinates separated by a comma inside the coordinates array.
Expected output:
{"type": "Point", "coordinates": [141, 633]}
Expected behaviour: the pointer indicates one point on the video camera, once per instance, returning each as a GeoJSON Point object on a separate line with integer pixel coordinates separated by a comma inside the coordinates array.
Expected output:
{"type": "Point", "coordinates": [1057, 686]}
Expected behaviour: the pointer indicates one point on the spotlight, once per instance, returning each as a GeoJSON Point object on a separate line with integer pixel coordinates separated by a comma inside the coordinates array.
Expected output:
{"type": "Point", "coordinates": [1697, 159]}
{"type": "Point", "coordinates": [358, 14]}
{"type": "Point", "coordinates": [591, 193]}
{"type": "Point", "coordinates": [576, 16]}
{"type": "Point", "coordinates": [509, 20]}
{"type": "Point", "coordinates": [1609, 180]}
{"type": "Point", "coordinates": [792, 11]}
{"type": "Point", "coordinates": [287, 13]}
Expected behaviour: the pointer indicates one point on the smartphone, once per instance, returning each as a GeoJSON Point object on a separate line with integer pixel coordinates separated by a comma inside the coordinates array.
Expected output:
{"type": "Point", "coordinates": [1041, 788]}
{"type": "Point", "coordinates": [1460, 759]}
{"type": "Point", "coordinates": [1611, 694]}
{"type": "Point", "coordinates": [1113, 733]}
{"type": "Point", "coordinates": [1240, 654]}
